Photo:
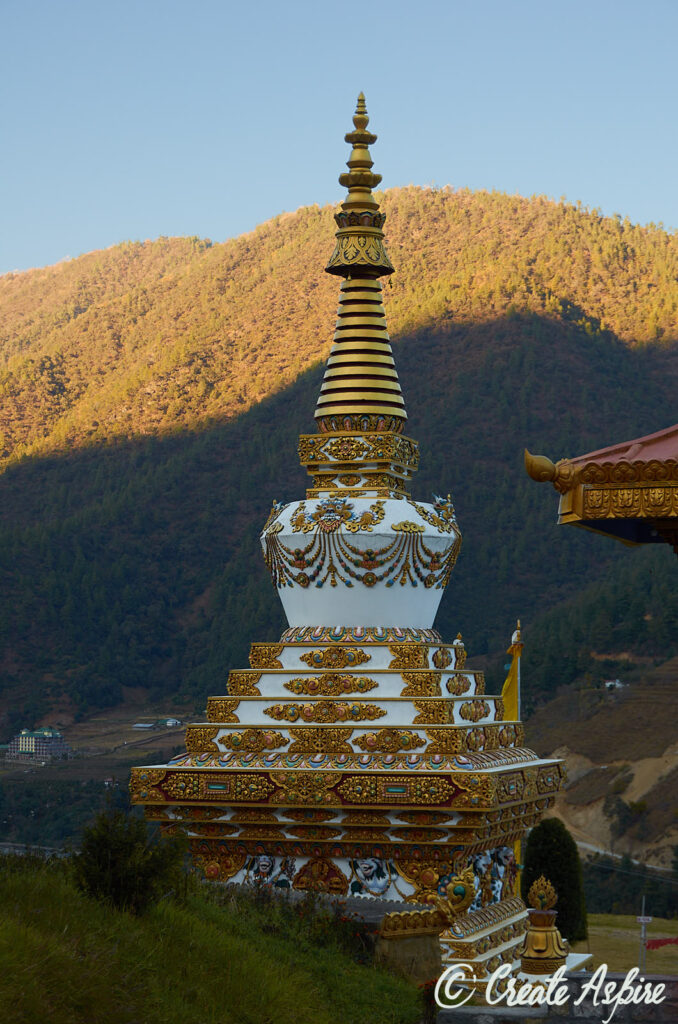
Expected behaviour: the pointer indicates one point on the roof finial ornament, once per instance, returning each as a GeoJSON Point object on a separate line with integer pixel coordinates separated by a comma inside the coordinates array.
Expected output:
{"type": "Point", "coordinates": [360, 239]}
{"type": "Point", "coordinates": [360, 118]}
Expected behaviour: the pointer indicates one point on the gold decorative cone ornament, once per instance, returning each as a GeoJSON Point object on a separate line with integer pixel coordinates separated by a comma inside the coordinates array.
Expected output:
{"type": "Point", "coordinates": [544, 950]}
{"type": "Point", "coordinates": [358, 754]}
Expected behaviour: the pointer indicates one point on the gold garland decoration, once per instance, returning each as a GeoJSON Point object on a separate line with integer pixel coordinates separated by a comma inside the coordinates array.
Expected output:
{"type": "Point", "coordinates": [329, 556]}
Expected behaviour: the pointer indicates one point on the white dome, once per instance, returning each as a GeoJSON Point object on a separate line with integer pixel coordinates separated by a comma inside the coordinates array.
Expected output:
{"type": "Point", "coordinates": [361, 561]}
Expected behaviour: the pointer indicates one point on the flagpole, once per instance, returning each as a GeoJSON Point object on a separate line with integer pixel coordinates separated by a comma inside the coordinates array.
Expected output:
{"type": "Point", "coordinates": [518, 674]}
{"type": "Point", "coordinates": [518, 845]}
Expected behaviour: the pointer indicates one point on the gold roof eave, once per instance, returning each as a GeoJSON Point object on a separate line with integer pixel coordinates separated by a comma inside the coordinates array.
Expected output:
{"type": "Point", "coordinates": [633, 501]}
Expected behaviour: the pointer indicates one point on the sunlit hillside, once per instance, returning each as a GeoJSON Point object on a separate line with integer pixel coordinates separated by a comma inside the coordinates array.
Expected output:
{"type": "Point", "coordinates": [147, 337]}
{"type": "Point", "coordinates": [152, 394]}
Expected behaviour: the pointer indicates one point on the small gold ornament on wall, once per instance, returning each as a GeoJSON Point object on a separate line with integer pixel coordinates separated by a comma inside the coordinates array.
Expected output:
{"type": "Point", "coordinates": [335, 657]}
{"type": "Point", "coordinates": [254, 740]}
{"type": "Point", "coordinates": [243, 683]}
{"type": "Point", "coordinates": [266, 655]}
{"type": "Point", "coordinates": [389, 741]}
{"type": "Point", "coordinates": [221, 709]}
{"type": "Point", "coordinates": [325, 711]}
{"type": "Point", "coordinates": [421, 684]}
{"type": "Point", "coordinates": [333, 684]}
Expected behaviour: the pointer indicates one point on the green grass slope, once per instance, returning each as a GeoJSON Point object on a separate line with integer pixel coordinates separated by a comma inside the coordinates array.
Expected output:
{"type": "Point", "coordinates": [68, 960]}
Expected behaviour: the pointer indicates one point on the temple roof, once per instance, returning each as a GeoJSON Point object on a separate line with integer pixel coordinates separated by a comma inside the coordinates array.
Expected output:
{"type": "Point", "coordinates": [628, 491]}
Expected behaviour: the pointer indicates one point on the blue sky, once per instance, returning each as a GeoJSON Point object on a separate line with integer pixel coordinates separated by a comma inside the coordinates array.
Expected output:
{"type": "Point", "coordinates": [140, 118]}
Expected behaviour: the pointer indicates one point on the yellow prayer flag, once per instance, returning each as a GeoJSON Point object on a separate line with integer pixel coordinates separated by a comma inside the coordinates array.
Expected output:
{"type": "Point", "coordinates": [510, 693]}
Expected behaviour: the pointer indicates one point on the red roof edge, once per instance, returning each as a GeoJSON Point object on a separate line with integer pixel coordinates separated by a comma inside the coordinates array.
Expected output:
{"type": "Point", "coordinates": [662, 445]}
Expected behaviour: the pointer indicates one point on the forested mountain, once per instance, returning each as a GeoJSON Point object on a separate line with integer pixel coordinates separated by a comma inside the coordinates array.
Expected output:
{"type": "Point", "coordinates": [151, 394]}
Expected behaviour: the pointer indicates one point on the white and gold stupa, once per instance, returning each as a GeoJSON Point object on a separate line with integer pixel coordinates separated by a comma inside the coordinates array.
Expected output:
{"type": "Point", "coordinates": [358, 754]}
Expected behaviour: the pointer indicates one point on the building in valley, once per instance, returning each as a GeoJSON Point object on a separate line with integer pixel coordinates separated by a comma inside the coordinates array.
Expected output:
{"type": "Point", "coordinates": [44, 744]}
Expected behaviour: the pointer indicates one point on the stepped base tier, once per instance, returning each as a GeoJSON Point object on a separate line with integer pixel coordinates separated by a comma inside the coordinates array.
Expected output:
{"type": "Point", "coordinates": [359, 755]}
{"type": "Point", "coordinates": [357, 761]}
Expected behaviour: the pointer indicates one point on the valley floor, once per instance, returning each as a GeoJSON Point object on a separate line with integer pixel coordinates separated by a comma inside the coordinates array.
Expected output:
{"type": "Point", "coordinates": [614, 939]}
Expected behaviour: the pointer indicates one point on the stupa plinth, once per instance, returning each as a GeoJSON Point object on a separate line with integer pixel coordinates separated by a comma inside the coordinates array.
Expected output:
{"type": "Point", "coordinates": [359, 754]}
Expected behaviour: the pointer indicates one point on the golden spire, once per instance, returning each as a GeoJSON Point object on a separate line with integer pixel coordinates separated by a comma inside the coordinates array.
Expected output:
{"type": "Point", "coordinates": [360, 389]}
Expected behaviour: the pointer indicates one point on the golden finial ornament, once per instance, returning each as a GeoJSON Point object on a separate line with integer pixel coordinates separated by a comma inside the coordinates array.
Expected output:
{"type": "Point", "coordinates": [544, 949]}
{"type": "Point", "coordinates": [542, 895]}
{"type": "Point", "coordinates": [539, 467]}
{"type": "Point", "coordinates": [562, 474]}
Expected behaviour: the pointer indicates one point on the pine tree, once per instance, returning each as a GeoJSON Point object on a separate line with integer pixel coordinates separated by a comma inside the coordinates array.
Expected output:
{"type": "Point", "coordinates": [551, 851]}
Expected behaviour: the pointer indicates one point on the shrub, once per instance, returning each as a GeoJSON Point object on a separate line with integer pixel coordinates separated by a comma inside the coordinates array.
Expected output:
{"type": "Point", "coordinates": [121, 864]}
